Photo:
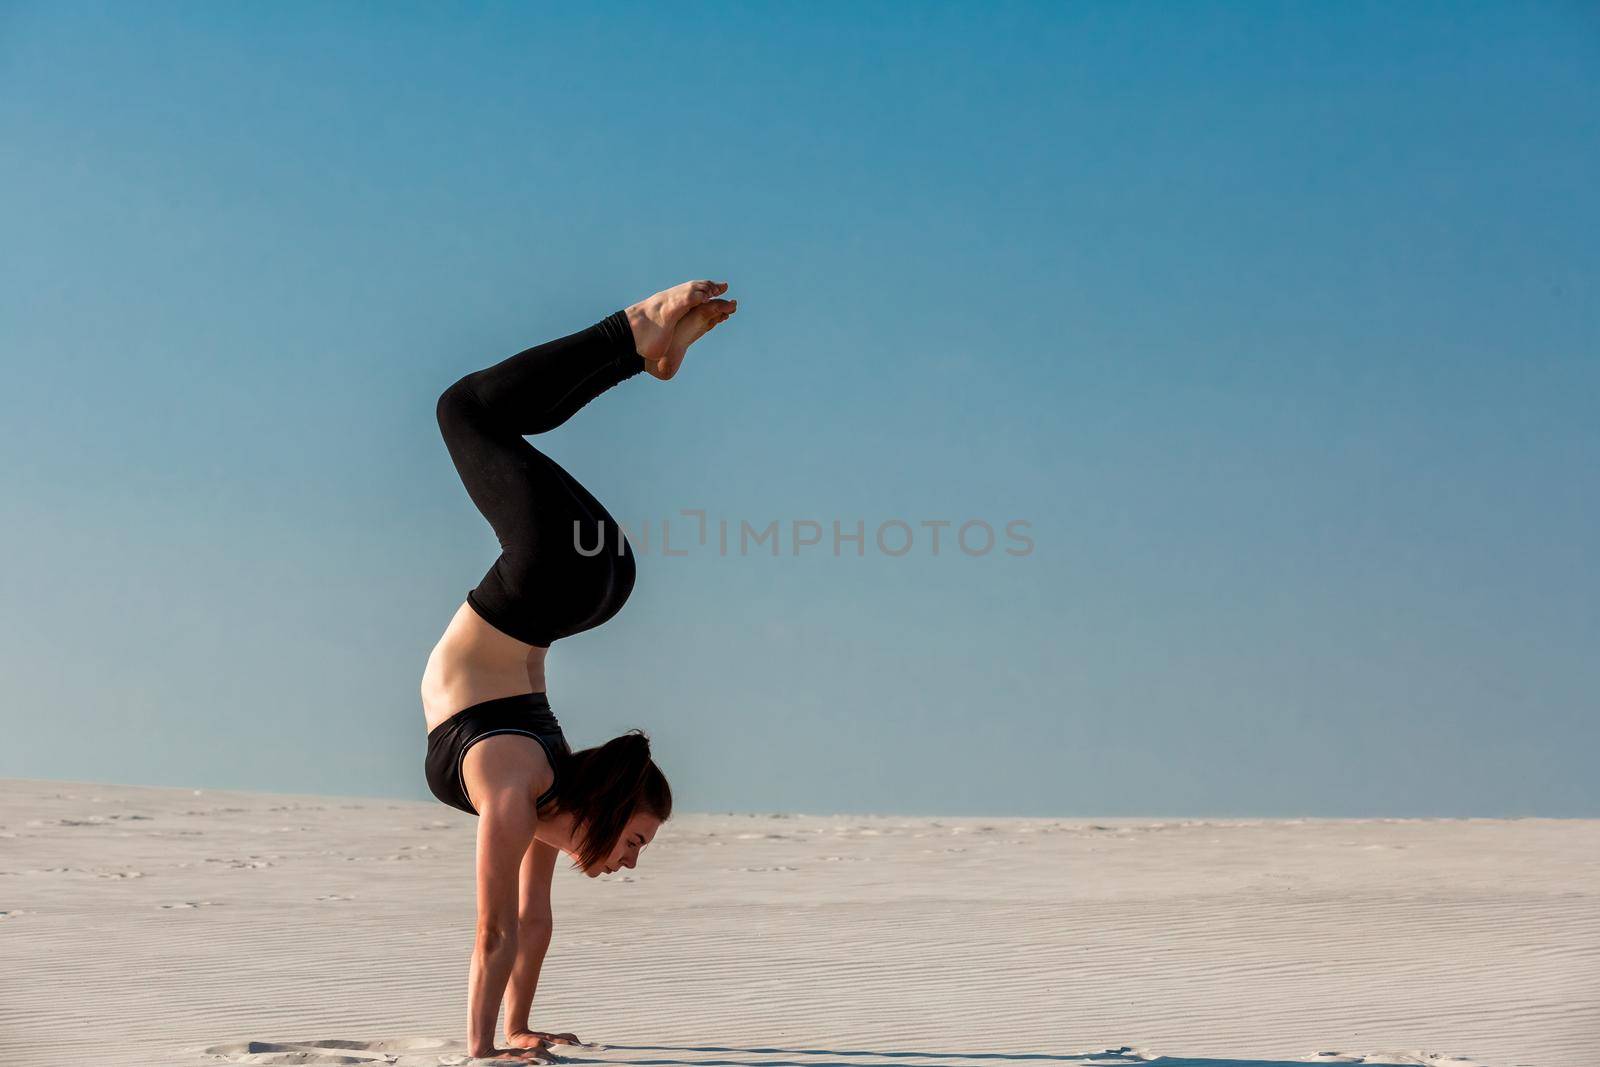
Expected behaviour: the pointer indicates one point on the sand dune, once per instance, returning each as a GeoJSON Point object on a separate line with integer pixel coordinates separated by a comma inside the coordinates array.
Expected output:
{"type": "Point", "coordinates": [163, 926]}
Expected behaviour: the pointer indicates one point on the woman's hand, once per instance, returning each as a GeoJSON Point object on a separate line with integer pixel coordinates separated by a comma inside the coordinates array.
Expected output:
{"type": "Point", "coordinates": [540, 1039]}
{"type": "Point", "coordinates": [529, 1054]}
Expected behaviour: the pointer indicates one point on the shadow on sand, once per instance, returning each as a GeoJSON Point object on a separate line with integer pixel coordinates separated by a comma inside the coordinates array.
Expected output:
{"type": "Point", "coordinates": [426, 1052]}
{"type": "Point", "coordinates": [823, 1057]}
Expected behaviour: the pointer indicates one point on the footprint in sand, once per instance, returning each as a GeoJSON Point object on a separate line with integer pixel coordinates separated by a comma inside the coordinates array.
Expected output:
{"type": "Point", "coordinates": [253, 863]}
{"type": "Point", "coordinates": [190, 904]}
{"type": "Point", "coordinates": [400, 1052]}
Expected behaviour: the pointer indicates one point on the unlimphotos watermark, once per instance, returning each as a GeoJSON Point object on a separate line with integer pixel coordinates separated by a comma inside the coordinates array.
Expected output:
{"type": "Point", "coordinates": [891, 537]}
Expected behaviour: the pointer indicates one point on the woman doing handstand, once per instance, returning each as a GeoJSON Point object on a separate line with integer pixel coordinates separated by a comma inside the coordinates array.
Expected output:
{"type": "Point", "coordinates": [495, 749]}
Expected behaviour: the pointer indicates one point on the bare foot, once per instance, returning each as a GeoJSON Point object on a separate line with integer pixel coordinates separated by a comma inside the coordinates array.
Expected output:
{"type": "Point", "coordinates": [695, 324]}
{"type": "Point", "coordinates": [654, 318]}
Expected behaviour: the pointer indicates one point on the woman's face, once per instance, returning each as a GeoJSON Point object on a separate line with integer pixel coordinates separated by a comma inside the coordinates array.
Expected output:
{"type": "Point", "coordinates": [639, 832]}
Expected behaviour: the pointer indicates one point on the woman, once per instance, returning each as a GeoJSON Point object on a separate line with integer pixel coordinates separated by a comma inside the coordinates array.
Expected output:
{"type": "Point", "coordinates": [495, 749]}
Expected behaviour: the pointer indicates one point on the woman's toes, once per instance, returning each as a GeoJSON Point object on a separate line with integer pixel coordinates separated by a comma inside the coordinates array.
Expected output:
{"type": "Point", "coordinates": [680, 299]}
{"type": "Point", "coordinates": [710, 313]}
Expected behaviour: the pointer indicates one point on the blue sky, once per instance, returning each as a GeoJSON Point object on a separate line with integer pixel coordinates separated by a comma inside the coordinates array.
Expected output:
{"type": "Point", "coordinates": [1277, 325]}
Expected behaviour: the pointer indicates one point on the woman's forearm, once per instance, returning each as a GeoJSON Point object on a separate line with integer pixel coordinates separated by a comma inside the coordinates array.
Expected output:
{"type": "Point", "coordinates": [532, 945]}
{"type": "Point", "coordinates": [492, 960]}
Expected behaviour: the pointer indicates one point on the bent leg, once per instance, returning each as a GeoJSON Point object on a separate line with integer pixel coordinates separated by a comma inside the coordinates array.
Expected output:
{"type": "Point", "coordinates": [541, 587]}
{"type": "Point", "coordinates": [542, 387]}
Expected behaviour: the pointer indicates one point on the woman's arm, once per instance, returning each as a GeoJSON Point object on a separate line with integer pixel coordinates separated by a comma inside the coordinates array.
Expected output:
{"type": "Point", "coordinates": [535, 925]}
{"type": "Point", "coordinates": [506, 822]}
{"type": "Point", "coordinates": [532, 943]}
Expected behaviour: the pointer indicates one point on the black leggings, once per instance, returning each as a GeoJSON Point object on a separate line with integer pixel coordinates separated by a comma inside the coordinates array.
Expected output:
{"type": "Point", "coordinates": [550, 581]}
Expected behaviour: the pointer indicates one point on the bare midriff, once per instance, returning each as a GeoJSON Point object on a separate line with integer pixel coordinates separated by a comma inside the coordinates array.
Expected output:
{"type": "Point", "coordinates": [473, 662]}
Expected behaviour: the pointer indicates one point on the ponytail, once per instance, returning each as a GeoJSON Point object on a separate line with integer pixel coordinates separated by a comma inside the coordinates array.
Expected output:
{"type": "Point", "coordinates": [603, 787]}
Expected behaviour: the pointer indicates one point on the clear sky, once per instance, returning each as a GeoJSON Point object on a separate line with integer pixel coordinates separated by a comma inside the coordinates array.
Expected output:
{"type": "Point", "coordinates": [1277, 324]}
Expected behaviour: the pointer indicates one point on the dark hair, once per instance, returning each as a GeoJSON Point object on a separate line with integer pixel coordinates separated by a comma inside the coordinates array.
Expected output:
{"type": "Point", "coordinates": [603, 787]}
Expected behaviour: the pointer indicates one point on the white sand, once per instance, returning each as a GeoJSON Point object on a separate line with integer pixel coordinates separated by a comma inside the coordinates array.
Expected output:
{"type": "Point", "coordinates": [163, 926]}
